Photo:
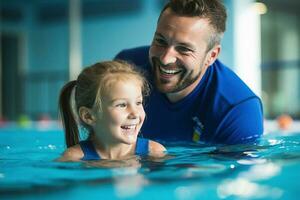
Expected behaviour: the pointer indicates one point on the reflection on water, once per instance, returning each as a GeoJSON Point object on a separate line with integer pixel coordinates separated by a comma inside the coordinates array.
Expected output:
{"type": "Point", "coordinates": [267, 170]}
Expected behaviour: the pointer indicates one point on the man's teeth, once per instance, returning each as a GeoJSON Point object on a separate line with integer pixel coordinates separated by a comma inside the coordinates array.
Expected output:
{"type": "Point", "coordinates": [169, 71]}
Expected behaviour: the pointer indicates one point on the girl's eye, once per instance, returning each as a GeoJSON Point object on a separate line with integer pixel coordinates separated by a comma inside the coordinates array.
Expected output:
{"type": "Point", "coordinates": [121, 105]}
{"type": "Point", "coordinates": [139, 103]}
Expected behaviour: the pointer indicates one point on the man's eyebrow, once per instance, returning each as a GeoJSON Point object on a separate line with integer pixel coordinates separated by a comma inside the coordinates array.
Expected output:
{"type": "Point", "coordinates": [185, 44]}
{"type": "Point", "coordinates": [159, 35]}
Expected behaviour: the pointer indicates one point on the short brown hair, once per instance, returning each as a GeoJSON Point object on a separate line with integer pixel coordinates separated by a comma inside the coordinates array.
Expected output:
{"type": "Point", "coordinates": [213, 10]}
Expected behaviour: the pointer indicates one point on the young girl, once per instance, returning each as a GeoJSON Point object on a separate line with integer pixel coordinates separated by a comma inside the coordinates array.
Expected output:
{"type": "Point", "coordinates": [109, 104]}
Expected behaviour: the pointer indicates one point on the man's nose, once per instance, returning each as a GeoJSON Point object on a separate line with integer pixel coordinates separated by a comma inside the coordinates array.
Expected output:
{"type": "Point", "coordinates": [168, 56]}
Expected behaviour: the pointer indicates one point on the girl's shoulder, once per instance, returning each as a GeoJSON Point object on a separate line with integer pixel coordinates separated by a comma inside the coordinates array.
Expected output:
{"type": "Point", "coordinates": [156, 149]}
{"type": "Point", "coordinates": [73, 153]}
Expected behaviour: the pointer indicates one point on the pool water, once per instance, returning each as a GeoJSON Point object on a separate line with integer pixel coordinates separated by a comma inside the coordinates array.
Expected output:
{"type": "Point", "coordinates": [268, 170]}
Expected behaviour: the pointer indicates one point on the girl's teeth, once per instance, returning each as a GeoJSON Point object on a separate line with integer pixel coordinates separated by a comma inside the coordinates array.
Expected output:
{"type": "Point", "coordinates": [129, 127]}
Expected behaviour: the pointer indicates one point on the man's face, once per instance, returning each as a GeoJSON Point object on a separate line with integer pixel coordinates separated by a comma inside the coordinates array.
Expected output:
{"type": "Point", "coordinates": [178, 53]}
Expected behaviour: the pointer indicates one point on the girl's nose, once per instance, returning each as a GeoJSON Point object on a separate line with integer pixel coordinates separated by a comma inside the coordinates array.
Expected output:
{"type": "Point", "coordinates": [133, 112]}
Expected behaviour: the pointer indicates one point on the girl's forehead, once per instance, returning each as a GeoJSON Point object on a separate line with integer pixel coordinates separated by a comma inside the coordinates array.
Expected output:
{"type": "Point", "coordinates": [123, 86]}
{"type": "Point", "coordinates": [124, 79]}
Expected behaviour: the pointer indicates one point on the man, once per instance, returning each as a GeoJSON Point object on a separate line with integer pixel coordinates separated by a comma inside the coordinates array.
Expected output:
{"type": "Point", "coordinates": [195, 97]}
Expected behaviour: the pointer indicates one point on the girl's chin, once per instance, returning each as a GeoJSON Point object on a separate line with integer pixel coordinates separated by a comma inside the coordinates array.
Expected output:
{"type": "Point", "coordinates": [130, 139]}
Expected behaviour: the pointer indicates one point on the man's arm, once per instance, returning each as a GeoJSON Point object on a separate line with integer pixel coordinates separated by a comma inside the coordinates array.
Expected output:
{"type": "Point", "coordinates": [242, 124]}
{"type": "Point", "coordinates": [138, 55]}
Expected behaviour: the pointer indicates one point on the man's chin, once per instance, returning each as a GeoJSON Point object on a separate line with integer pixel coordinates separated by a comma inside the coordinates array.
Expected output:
{"type": "Point", "coordinates": [163, 88]}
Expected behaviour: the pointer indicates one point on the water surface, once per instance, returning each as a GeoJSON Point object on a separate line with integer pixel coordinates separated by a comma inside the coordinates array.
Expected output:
{"type": "Point", "coordinates": [267, 170]}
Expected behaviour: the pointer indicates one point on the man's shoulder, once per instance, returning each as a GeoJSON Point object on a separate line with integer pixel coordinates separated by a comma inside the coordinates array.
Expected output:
{"type": "Point", "coordinates": [137, 55]}
{"type": "Point", "coordinates": [228, 108]}
{"type": "Point", "coordinates": [229, 85]}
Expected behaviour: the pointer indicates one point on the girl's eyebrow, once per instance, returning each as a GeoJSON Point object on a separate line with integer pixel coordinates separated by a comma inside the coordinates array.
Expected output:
{"type": "Point", "coordinates": [124, 99]}
{"type": "Point", "coordinates": [117, 99]}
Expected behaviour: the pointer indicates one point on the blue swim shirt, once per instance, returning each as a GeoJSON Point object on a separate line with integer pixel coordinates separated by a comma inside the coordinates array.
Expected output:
{"type": "Point", "coordinates": [90, 153]}
{"type": "Point", "coordinates": [220, 110]}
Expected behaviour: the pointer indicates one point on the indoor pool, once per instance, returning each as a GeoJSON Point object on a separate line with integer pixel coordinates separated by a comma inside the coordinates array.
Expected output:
{"type": "Point", "coordinates": [268, 170]}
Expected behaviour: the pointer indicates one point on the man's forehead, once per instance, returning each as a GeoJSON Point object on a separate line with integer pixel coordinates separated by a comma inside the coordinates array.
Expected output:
{"type": "Point", "coordinates": [169, 16]}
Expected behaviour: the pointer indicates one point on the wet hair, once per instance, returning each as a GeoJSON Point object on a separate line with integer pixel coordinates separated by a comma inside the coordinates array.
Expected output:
{"type": "Point", "coordinates": [213, 10]}
{"type": "Point", "coordinates": [92, 83]}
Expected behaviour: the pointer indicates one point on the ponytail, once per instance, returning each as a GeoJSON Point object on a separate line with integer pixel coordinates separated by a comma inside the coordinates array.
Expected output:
{"type": "Point", "coordinates": [67, 116]}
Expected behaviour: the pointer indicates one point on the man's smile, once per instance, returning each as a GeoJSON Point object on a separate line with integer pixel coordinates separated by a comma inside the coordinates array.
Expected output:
{"type": "Point", "coordinates": [167, 71]}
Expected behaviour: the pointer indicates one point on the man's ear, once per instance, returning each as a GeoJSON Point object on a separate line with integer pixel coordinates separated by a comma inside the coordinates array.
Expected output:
{"type": "Point", "coordinates": [212, 55]}
{"type": "Point", "coordinates": [86, 115]}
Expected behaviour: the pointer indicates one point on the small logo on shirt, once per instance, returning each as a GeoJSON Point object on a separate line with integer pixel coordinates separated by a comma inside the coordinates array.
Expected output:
{"type": "Point", "coordinates": [198, 129]}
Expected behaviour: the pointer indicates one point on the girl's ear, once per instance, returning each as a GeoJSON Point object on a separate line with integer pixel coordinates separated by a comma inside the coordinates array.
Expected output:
{"type": "Point", "coordinates": [86, 115]}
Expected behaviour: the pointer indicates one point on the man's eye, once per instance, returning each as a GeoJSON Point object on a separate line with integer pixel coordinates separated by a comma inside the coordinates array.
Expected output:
{"type": "Point", "coordinates": [160, 41]}
{"type": "Point", "coordinates": [183, 49]}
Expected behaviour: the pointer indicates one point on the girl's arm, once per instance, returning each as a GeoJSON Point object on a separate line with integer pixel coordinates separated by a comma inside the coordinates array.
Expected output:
{"type": "Point", "coordinates": [73, 153]}
{"type": "Point", "coordinates": [156, 149]}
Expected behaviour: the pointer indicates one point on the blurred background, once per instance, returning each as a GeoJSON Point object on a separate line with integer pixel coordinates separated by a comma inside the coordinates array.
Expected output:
{"type": "Point", "coordinates": [45, 43]}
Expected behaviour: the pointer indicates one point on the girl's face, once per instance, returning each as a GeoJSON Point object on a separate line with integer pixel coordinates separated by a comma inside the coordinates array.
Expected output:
{"type": "Point", "coordinates": [122, 113]}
